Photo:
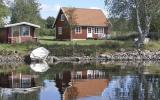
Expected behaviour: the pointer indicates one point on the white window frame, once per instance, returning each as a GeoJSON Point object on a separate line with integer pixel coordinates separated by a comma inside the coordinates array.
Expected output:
{"type": "Point", "coordinates": [96, 30]}
{"type": "Point", "coordinates": [62, 17]}
{"type": "Point", "coordinates": [78, 30]}
{"type": "Point", "coordinates": [29, 31]}
{"type": "Point", "coordinates": [60, 30]}
{"type": "Point", "coordinates": [99, 30]}
{"type": "Point", "coordinates": [13, 29]}
{"type": "Point", "coordinates": [89, 29]}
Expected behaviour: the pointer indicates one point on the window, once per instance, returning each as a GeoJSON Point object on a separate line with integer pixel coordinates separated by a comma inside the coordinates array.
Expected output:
{"type": "Point", "coordinates": [60, 30]}
{"type": "Point", "coordinates": [25, 30]}
{"type": "Point", "coordinates": [89, 29]}
{"type": "Point", "coordinates": [96, 30]}
{"type": "Point", "coordinates": [62, 17]}
{"type": "Point", "coordinates": [78, 30]}
{"type": "Point", "coordinates": [15, 31]}
{"type": "Point", "coordinates": [99, 30]}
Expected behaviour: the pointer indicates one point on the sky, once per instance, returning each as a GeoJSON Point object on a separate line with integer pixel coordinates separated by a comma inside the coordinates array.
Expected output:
{"type": "Point", "coordinates": [51, 7]}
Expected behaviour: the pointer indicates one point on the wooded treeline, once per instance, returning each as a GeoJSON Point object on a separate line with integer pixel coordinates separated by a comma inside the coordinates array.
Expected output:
{"type": "Point", "coordinates": [135, 15]}
{"type": "Point", "coordinates": [26, 11]}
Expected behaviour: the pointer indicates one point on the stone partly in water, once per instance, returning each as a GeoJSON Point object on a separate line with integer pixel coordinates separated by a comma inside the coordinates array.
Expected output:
{"type": "Point", "coordinates": [132, 55]}
{"type": "Point", "coordinates": [40, 53]}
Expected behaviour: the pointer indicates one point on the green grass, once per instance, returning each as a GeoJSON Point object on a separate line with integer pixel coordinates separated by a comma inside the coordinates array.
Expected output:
{"type": "Point", "coordinates": [152, 45]}
{"type": "Point", "coordinates": [20, 48]}
{"type": "Point", "coordinates": [49, 40]}
{"type": "Point", "coordinates": [100, 45]}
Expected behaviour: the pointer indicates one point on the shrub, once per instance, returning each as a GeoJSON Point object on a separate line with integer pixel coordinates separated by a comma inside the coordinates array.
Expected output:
{"type": "Point", "coordinates": [46, 32]}
{"type": "Point", "coordinates": [154, 35]}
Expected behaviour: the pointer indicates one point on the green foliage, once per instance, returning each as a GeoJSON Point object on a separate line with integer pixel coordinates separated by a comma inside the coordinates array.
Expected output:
{"type": "Point", "coordinates": [124, 37]}
{"type": "Point", "coordinates": [25, 10]}
{"type": "Point", "coordinates": [137, 13]}
{"type": "Point", "coordinates": [155, 24]}
{"type": "Point", "coordinates": [122, 24]}
{"type": "Point", "coordinates": [47, 27]}
{"type": "Point", "coordinates": [46, 32]}
{"type": "Point", "coordinates": [154, 35]}
{"type": "Point", "coordinates": [50, 21]}
{"type": "Point", "coordinates": [4, 12]}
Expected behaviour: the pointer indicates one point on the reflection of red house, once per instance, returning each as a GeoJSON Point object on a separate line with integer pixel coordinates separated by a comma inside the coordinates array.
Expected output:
{"type": "Point", "coordinates": [86, 83]}
{"type": "Point", "coordinates": [90, 23]}
{"type": "Point", "coordinates": [18, 33]}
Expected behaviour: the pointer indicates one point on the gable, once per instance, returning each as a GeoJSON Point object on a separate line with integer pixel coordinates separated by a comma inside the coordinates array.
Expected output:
{"type": "Point", "coordinates": [58, 18]}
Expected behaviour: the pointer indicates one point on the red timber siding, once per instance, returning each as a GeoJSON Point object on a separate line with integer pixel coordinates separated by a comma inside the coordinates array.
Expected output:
{"type": "Point", "coordinates": [83, 35]}
{"type": "Point", "coordinates": [9, 32]}
{"type": "Point", "coordinates": [3, 35]}
{"type": "Point", "coordinates": [33, 34]}
{"type": "Point", "coordinates": [65, 28]}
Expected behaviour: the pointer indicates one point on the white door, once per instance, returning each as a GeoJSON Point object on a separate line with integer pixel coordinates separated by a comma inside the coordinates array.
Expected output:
{"type": "Point", "coordinates": [89, 32]}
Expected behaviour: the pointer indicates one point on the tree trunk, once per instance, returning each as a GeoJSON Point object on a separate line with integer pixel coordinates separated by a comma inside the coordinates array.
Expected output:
{"type": "Point", "coordinates": [141, 36]}
{"type": "Point", "coordinates": [147, 25]}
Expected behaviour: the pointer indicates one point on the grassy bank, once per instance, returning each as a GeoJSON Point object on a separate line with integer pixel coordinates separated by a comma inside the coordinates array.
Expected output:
{"type": "Point", "coordinates": [75, 48]}
{"type": "Point", "coordinates": [48, 40]}
{"type": "Point", "coordinates": [6, 49]}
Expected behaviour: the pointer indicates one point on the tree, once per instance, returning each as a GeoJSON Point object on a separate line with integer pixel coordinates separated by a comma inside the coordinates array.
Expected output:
{"type": "Point", "coordinates": [50, 20]}
{"type": "Point", "coordinates": [25, 10]}
{"type": "Point", "coordinates": [145, 11]}
{"type": "Point", "coordinates": [3, 12]}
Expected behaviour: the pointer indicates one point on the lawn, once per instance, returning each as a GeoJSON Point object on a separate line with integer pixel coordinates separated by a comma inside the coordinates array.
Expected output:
{"type": "Point", "coordinates": [49, 40]}
{"type": "Point", "coordinates": [20, 48]}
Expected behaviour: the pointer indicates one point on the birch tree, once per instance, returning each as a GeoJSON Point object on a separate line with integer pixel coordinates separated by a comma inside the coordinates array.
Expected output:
{"type": "Point", "coordinates": [145, 11]}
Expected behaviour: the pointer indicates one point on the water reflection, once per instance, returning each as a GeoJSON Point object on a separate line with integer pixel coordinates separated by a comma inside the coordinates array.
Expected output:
{"type": "Point", "coordinates": [39, 67]}
{"type": "Point", "coordinates": [16, 84]}
{"type": "Point", "coordinates": [68, 81]}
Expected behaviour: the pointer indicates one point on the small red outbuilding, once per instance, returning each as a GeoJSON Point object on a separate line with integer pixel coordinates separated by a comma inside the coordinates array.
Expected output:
{"type": "Point", "coordinates": [18, 33]}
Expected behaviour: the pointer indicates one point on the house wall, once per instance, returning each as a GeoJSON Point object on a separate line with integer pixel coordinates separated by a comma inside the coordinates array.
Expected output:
{"type": "Point", "coordinates": [6, 36]}
{"type": "Point", "coordinates": [3, 35]}
{"type": "Point", "coordinates": [83, 35]}
{"type": "Point", "coordinates": [65, 29]}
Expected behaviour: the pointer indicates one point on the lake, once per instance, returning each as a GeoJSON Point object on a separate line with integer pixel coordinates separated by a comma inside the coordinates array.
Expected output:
{"type": "Point", "coordinates": [80, 81]}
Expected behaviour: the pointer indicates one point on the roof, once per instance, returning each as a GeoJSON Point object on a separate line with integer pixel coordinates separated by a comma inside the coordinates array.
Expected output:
{"type": "Point", "coordinates": [84, 88]}
{"type": "Point", "coordinates": [87, 17]}
{"type": "Point", "coordinates": [22, 23]}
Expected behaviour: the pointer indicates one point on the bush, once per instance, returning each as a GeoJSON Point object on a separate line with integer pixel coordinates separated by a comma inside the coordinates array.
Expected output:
{"type": "Point", "coordinates": [154, 35]}
{"type": "Point", "coordinates": [46, 32]}
{"type": "Point", "coordinates": [124, 37]}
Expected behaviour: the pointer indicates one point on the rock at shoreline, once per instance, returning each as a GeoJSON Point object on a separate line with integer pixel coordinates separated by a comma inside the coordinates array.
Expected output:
{"type": "Point", "coordinates": [132, 55]}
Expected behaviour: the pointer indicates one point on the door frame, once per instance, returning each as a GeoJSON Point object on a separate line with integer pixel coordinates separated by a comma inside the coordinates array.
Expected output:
{"type": "Point", "coordinates": [89, 35]}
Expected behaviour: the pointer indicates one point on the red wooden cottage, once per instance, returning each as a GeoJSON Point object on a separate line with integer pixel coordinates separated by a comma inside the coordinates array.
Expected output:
{"type": "Point", "coordinates": [88, 23]}
{"type": "Point", "coordinates": [18, 33]}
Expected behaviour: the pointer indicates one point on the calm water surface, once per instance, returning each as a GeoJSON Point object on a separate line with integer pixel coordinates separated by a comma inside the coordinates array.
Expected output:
{"type": "Point", "coordinates": [91, 81]}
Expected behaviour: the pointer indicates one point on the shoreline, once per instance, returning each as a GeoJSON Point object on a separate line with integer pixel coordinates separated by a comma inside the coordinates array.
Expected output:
{"type": "Point", "coordinates": [136, 55]}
